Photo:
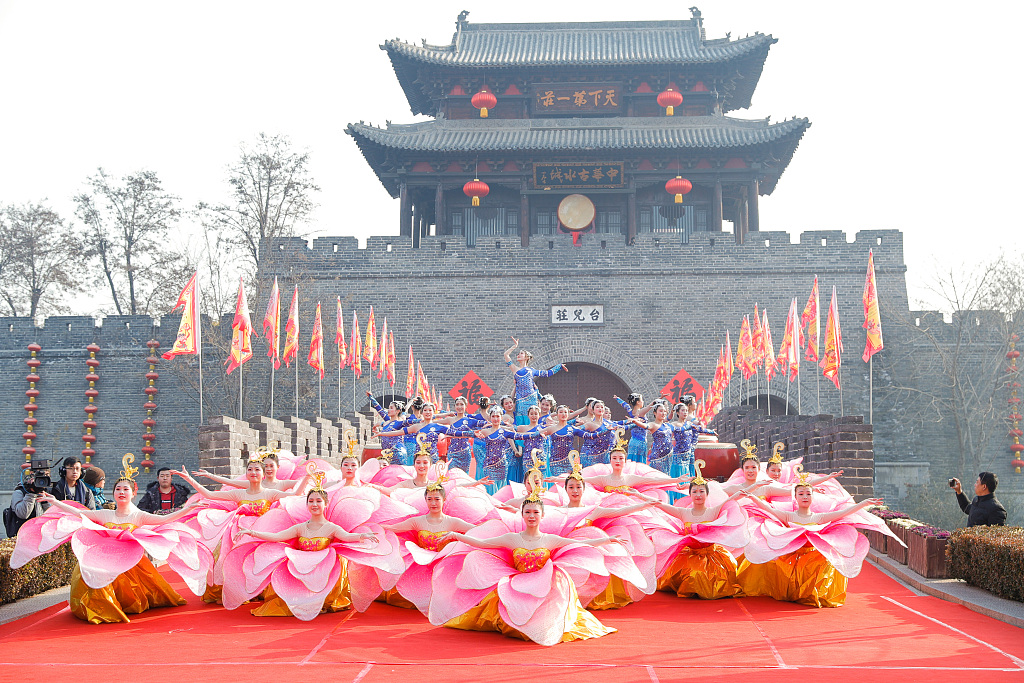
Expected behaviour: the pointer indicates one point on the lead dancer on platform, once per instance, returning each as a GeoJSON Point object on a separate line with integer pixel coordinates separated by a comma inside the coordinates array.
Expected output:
{"type": "Point", "coordinates": [114, 577]}
{"type": "Point", "coordinates": [526, 390]}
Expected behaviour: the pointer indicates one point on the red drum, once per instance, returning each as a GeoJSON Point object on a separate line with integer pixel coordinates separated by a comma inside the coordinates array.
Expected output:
{"type": "Point", "coordinates": [371, 452]}
{"type": "Point", "coordinates": [721, 459]}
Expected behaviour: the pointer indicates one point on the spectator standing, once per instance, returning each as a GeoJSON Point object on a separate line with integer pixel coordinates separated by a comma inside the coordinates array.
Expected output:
{"type": "Point", "coordinates": [164, 495]}
{"type": "Point", "coordinates": [70, 486]}
{"type": "Point", "coordinates": [984, 509]}
{"type": "Point", "coordinates": [95, 479]}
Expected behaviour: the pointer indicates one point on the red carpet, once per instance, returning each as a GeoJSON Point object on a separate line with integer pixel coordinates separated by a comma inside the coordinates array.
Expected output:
{"type": "Point", "coordinates": [883, 632]}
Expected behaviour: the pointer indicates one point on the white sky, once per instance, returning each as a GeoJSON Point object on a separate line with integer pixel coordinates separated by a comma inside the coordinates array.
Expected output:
{"type": "Point", "coordinates": [911, 103]}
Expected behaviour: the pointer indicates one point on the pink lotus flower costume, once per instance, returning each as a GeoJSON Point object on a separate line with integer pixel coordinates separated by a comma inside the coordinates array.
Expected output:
{"type": "Point", "coordinates": [105, 552]}
{"type": "Point", "coordinates": [639, 469]}
{"type": "Point", "coordinates": [303, 574]}
{"type": "Point", "coordinates": [534, 590]}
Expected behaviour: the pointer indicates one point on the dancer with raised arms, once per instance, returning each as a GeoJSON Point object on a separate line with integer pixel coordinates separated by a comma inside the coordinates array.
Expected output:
{"type": "Point", "coordinates": [526, 393]}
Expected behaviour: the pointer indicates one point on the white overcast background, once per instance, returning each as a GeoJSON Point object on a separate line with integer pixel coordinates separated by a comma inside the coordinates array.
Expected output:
{"type": "Point", "coordinates": [913, 104]}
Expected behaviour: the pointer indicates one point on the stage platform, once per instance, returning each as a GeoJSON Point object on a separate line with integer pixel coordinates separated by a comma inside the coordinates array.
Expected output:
{"type": "Point", "coordinates": [885, 632]}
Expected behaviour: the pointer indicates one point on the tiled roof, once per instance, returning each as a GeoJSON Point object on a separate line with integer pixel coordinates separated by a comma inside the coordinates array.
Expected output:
{"type": "Point", "coordinates": [580, 44]}
{"type": "Point", "coordinates": [572, 135]}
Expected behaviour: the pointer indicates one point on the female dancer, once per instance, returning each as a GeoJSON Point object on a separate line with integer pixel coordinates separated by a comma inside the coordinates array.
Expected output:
{"type": "Point", "coordinates": [394, 420]}
{"type": "Point", "coordinates": [562, 435]}
{"type": "Point", "coordinates": [621, 586]}
{"type": "Point", "coordinates": [748, 476]}
{"type": "Point", "coordinates": [692, 541]}
{"type": "Point", "coordinates": [803, 556]}
{"type": "Point", "coordinates": [496, 438]}
{"type": "Point", "coordinates": [114, 577]}
{"type": "Point", "coordinates": [637, 451]}
{"type": "Point", "coordinates": [421, 468]}
{"type": "Point", "coordinates": [779, 490]}
{"type": "Point", "coordinates": [270, 463]}
{"type": "Point", "coordinates": [526, 390]}
{"type": "Point", "coordinates": [596, 450]}
{"type": "Point", "coordinates": [287, 589]}
{"type": "Point", "coordinates": [241, 508]}
{"type": "Point", "coordinates": [533, 439]}
{"type": "Point", "coordinates": [685, 428]}
{"type": "Point", "coordinates": [430, 429]}
{"type": "Point", "coordinates": [498, 596]}
{"type": "Point", "coordinates": [661, 442]}
{"type": "Point", "coordinates": [460, 451]}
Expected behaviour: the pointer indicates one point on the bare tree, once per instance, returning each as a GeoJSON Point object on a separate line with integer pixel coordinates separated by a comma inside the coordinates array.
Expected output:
{"type": "Point", "coordinates": [40, 259]}
{"type": "Point", "coordinates": [128, 227]}
{"type": "Point", "coordinates": [271, 195]}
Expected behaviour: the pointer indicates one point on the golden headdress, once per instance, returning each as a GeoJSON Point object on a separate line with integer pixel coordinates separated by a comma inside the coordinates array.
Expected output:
{"type": "Point", "coordinates": [129, 472]}
{"type": "Point", "coordinates": [620, 440]}
{"type": "Point", "coordinates": [385, 457]}
{"type": "Point", "coordinates": [538, 464]}
{"type": "Point", "coordinates": [422, 447]}
{"type": "Point", "coordinates": [577, 466]}
{"type": "Point", "coordinates": [318, 479]}
{"type": "Point", "coordinates": [350, 439]}
{"type": "Point", "coordinates": [442, 477]}
{"type": "Point", "coordinates": [535, 495]}
{"type": "Point", "coordinates": [777, 449]}
{"type": "Point", "coordinates": [698, 480]}
{"type": "Point", "coordinates": [750, 452]}
{"type": "Point", "coordinates": [802, 476]}
{"type": "Point", "coordinates": [538, 491]}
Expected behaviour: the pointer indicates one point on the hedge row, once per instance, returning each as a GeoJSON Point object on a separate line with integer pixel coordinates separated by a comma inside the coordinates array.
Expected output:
{"type": "Point", "coordinates": [46, 572]}
{"type": "Point", "coordinates": [989, 557]}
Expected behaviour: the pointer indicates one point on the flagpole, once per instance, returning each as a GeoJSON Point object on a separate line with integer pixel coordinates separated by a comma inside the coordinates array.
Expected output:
{"type": "Point", "coordinates": [271, 389]}
{"type": "Point", "coordinates": [296, 383]}
{"type": "Point", "coordinates": [839, 377]}
{"type": "Point", "coordinates": [200, 379]}
{"type": "Point", "coordinates": [871, 389]}
{"type": "Point", "coordinates": [339, 390]}
{"type": "Point", "coordinates": [240, 391]}
{"type": "Point", "coordinates": [757, 394]}
{"type": "Point", "coordinates": [799, 403]}
{"type": "Point", "coordinates": [787, 393]}
{"type": "Point", "coordinates": [768, 392]}
{"type": "Point", "coordinates": [320, 400]}
{"type": "Point", "coordinates": [817, 385]}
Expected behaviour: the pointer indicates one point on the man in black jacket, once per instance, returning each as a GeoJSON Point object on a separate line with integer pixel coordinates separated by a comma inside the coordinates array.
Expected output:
{"type": "Point", "coordinates": [70, 486]}
{"type": "Point", "coordinates": [984, 509]}
{"type": "Point", "coordinates": [163, 495]}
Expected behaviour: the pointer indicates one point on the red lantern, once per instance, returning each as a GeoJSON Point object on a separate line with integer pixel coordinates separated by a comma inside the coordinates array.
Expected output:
{"type": "Point", "coordinates": [678, 186]}
{"type": "Point", "coordinates": [1018, 463]}
{"type": "Point", "coordinates": [476, 189]}
{"type": "Point", "coordinates": [483, 101]}
{"type": "Point", "coordinates": [670, 99]}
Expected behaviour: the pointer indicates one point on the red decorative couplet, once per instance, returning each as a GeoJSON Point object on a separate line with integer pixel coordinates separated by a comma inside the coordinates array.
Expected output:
{"type": "Point", "coordinates": [472, 387]}
{"type": "Point", "coordinates": [680, 385]}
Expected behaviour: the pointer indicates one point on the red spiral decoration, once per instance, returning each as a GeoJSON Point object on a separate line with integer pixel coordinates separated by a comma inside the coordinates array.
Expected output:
{"type": "Point", "coordinates": [150, 405]}
{"type": "Point", "coordinates": [91, 367]}
{"type": "Point", "coordinates": [31, 407]}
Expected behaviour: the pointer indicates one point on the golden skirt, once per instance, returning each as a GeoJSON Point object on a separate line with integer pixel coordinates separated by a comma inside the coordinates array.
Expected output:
{"type": "Point", "coordinates": [338, 600]}
{"type": "Point", "coordinates": [705, 571]}
{"type": "Point", "coordinates": [803, 576]}
{"type": "Point", "coordinates": [614, 596]}
{"type": "Point", "coordinates": [485, 617]}
{"type": "Point", "coordinates": [394, 598]}
{"type": "Point", "coordinates": [133, 592]}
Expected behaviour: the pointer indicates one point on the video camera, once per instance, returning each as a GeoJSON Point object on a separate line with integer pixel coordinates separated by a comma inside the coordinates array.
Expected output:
{"type": "Point", "coordinates": [36, 478]}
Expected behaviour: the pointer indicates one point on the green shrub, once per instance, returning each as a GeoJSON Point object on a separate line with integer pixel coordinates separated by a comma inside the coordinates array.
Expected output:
{"type": "Point", "coordinates": [989, 557]}
{"type": "Point", "coordinates": [48, 571]}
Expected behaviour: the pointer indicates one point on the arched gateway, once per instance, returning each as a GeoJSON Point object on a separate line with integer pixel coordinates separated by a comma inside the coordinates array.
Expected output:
{"type": "Point", "coordinates": [581, 381]}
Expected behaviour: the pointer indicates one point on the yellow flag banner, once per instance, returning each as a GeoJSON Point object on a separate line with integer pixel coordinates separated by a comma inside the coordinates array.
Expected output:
{"type": "Point", "coordinates": [189, 340]}
{"type": "Point", "coordinates": [872, 319]}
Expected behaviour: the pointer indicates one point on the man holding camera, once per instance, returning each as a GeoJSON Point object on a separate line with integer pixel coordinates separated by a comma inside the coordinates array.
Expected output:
{"type": "Point", "coordinates": [984, 510]}
{"type": "Point", "coordinates": [68, 487]}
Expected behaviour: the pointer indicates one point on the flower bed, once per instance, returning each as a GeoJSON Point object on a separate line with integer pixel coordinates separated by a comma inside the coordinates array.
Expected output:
{"type": "Point", "coordinates": [989, 557]}
{"type": "Point", "coordinates": [926, 551]}
{"type": "Point", "coordinates": [48, 571]}
{"type": "Point", "coordinates": [900, 527]}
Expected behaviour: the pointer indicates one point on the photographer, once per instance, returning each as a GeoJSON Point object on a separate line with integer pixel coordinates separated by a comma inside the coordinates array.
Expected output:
{"type": "Point", "coordinates": [25, 501]}
{"type": "Point", "coordinates": [68, 487]}
{"type": "Point", "coordinates": [984, 509]}
{"type": "Point", "coordinates": [163, 495]}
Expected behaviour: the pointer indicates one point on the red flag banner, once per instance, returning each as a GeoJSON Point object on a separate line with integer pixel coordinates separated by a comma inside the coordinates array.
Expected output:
{"type": "Point", "coordinates": [811, 319]}
{"type": "Point", "coordinates": [190, 335]}
{"type": "Point", "coordinates": [872, 318]}
{"type": "Point", "coordinates": [745, 351]}
{"type": "Point", "coordinates": [789, 351]}
{"type": "Point", "coordinates": [729, 367]}
{"type": "Point", "coordinates": [680, 385]}
{"type": "Point", "coordinates": [757, 341]}
{"type": "Point", "coordinates": [832, 359]}
{"type": "Point", "coordinates": [370, 352]}
{"type": "Point", "coordinates": [339, 338]}
{"type": "Point", "coordinates": [771, 365]}
{"type": "Point", "coordinates": [383, 349]}
{"type": "Point", "coordinates": [272, 325]}
{"type": "Point", "coordinates": [471, 387]}
{"type": "Point", "coordinates": [291, 328]}
{"type": "Point", "coordinates": [316, 344]}
{"type": "Point", "coordinates": [410, 379]}
{"type": "Point", "coordinates": [421, 381]}
{"type": "Point", "coordinates": [355, 352]}
{"type": "Point", "coordinates": [241, 332]}
{"type": "Point", "coordinates": [391, 359]}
